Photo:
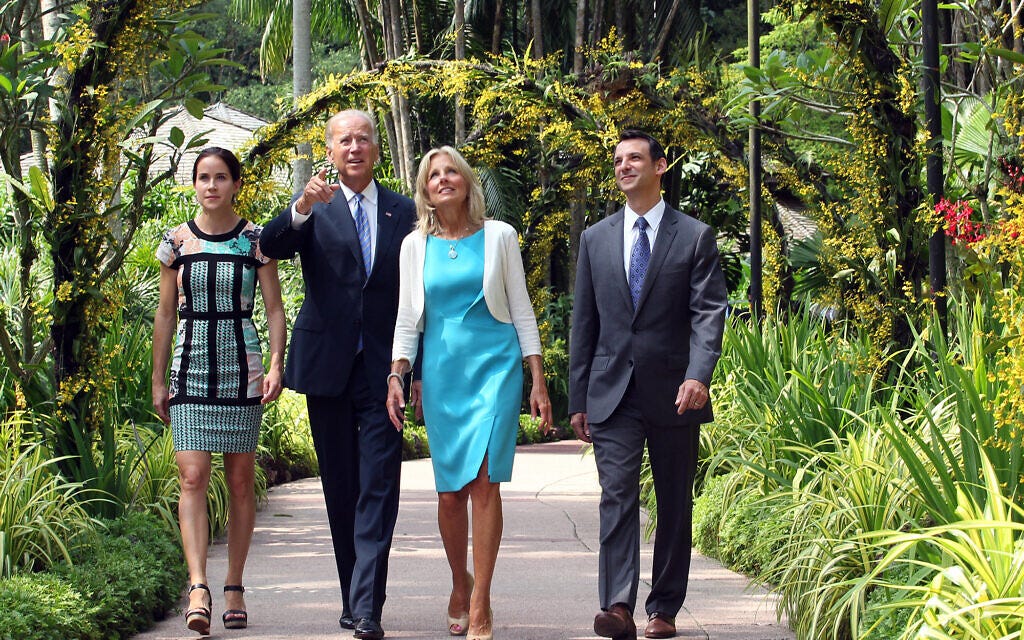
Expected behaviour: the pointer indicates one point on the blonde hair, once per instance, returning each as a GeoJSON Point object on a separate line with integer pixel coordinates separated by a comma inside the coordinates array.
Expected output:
{"type": "Point", "coordinates": [426, 221]}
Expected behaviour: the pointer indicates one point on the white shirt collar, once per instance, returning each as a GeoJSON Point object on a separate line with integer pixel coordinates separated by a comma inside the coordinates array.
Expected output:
{"type": "Point", "coordinates": [369, 193]}
{"type": "Point", "coordinates": [653, 216]}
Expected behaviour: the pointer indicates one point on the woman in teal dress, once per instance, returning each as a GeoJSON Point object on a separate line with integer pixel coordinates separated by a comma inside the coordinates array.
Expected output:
{"type": "Point", "coordinates": [463, 289]}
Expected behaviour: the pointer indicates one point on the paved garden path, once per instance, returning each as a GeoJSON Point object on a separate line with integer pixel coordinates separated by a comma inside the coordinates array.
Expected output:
{"type": "Point", "coordinates": [545, 585]}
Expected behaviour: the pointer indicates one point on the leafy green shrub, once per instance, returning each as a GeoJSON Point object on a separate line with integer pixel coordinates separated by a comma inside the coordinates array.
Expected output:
{"type": "Point", "coordinates": [707, 515]}
{"type": "Point", "coordinates": [553, 321]}
{"type": "Point", "coordinates": [529, 431]}
{"type": "Point", "coordinates": [285, 449]}
{"type": "Point", "coordinates": [556, 376]}
{"type": "Point", "coordinates": [131, 573]}
{"type": "Point", "coordinates": [414, 442]}
{"type": "Point", "coordinates": [883, 616]}
{"type": "Point", "coordinates": [738, 534]}
{"type": "Point", "coordinates": [44, 607]}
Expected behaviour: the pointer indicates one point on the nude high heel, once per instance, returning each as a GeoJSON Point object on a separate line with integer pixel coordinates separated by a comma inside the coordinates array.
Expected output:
{"type": "Point", "coordinates": [459, 626]}
{"type": "Point", "coordinates": [484, 636]}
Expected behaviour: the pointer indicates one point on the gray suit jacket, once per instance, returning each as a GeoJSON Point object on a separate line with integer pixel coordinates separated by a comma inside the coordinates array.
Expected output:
{"type": "Point", "coordinates": [674, 334]}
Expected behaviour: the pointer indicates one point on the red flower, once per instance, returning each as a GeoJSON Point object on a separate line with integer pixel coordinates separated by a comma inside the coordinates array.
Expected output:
{"type": "Point", "coordinates": [5, 39]}
{"type": "Point", "coordinates": [959, 226]}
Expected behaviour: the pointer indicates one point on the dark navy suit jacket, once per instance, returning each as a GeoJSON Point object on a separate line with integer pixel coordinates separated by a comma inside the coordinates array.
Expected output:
{"type": "Point", "coordinates": [340, 302]}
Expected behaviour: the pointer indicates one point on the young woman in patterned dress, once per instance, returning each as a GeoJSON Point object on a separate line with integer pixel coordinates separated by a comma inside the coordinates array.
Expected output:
{"type": "Point", "coordinates": [214, 401]}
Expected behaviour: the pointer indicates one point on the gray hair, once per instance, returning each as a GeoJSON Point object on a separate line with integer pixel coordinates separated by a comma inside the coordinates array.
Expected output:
{"type": "Point", "coordinates": [346, 113]}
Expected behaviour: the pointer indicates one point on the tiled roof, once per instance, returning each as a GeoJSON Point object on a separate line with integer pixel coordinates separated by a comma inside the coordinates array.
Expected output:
{"type": "Point", "coordinates": [221, 126]}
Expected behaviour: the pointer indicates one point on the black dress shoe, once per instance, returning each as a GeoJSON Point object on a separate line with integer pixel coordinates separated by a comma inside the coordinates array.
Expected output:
{"type": "Point", "coordinates": [347, 621]}
{"type": "Point", "coordinates": [368, 629]}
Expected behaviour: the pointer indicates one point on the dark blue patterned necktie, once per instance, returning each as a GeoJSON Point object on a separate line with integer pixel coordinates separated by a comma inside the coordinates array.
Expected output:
{"type": "Point", "coordinates": [363, 229]}
{"type": "Point", "coordinates": [639, 258]}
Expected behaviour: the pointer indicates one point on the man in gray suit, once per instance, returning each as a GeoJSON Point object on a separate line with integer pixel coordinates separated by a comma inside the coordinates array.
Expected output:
{"type": "Point", "coordinates": [647, 326]}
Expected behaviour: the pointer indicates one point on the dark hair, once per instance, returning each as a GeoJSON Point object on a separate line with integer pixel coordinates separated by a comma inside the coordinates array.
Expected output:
{"type": "Point", "coordinates": [234, 166]}
{"type": "Point", "coordinates": [657, 151]}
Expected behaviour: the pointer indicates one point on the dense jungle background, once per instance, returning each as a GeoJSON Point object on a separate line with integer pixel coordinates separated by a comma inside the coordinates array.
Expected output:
{"type": "Point", "coordinates": [865, 462]}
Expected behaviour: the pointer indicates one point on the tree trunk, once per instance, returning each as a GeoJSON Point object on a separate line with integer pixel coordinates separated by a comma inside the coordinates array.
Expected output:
{"type": "Point", "coordinates": [666, 27]}
{"type": "Point", "coordinates": [577, 223]}
{"type": "Point", "coordinates": [499, 22]}
{"type": "Point", "coordinates": [417, 26]}
{"type": "Point", "coordinates": [402, 155]}
{"type": "Point", "coordinates": [302, 82]}
{"type": "Point", "coordinates": [581, 25]}
{"type": "Point", "coordinates": [1018, 25]}
{"type": "Point", "coordinates": [899, 165]}
{"type": "Point", "coordinates": [597, 21]}
{"type": "Point", "coordinates": [537, 22]}
{"type": "Point", "coordinates": [74, 347]}
{"type": "Point", "coordinates": [460, 54]}
{"type": "Point", "coordinates": [366, 32]}
{"type": "Point", "coordinates": [620, 20]}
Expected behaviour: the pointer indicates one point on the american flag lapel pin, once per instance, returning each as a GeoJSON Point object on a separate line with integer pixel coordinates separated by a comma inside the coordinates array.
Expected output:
{"type": "Point", "coordinates": [387, 213]}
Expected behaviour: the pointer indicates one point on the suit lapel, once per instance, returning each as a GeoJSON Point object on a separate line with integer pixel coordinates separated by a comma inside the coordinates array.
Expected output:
{"type": "Point", "coordinates": [387, 224]}
{"type": "Point", "coordinates": [618, 267]}
{"type": "Point", "coordinates": [662, 246]}
{"type": "Point", "coordinates": [336, 231]}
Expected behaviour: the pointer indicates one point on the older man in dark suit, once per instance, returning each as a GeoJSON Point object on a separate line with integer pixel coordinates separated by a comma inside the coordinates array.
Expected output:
{"type": "Point", "coordinates": [348, 235]}
{"type": "Point", "coordinates": [647, 325]}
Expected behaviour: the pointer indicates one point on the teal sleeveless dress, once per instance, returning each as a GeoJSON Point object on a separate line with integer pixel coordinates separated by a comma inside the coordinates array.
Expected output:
{"type": "Point", "coordinates": [472, 369]}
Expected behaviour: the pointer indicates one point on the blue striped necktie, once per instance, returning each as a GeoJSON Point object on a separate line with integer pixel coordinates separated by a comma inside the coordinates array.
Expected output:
{"type": "Point", "coordinates": [639, 258]}
{"type": "Point", "coordinates": [363, 229]}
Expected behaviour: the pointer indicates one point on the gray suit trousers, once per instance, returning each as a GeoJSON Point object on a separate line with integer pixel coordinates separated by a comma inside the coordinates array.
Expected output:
{"type": "Point", "coordinates": [618, 450]}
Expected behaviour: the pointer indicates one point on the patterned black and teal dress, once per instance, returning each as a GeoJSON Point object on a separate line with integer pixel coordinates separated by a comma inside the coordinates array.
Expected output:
{"type": "Point", "coordinates": [217, 372]}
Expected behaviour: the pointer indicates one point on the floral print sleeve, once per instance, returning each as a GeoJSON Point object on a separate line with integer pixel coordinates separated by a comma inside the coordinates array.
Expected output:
{"type": "Point", "coordinates": [256, 231]}
{"type": "Point", "coordinates": [169, 249]}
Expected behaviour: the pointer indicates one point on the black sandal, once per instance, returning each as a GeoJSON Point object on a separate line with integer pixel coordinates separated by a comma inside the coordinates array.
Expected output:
{"type": "Point", "coordinates": [235, 618]}
{"type": "Point", "coordinates": [198, 618]}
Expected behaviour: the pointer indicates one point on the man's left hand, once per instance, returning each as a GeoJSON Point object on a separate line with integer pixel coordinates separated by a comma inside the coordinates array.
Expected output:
{"type": "Point", "coordinates": [692, 394]}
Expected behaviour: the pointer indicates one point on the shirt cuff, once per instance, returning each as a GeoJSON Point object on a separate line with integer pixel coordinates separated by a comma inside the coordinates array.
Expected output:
{"type": "Point", "coordinates": [299, 219]}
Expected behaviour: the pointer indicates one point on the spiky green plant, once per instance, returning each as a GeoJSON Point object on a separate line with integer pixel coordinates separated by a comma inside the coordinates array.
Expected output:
{"type": "Point", "coordinates": [42, 516]}
{"type": "Point", "coordinates": [973, 587]}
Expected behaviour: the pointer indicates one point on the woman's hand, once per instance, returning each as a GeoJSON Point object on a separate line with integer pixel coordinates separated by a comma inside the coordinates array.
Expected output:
{"type": "Point", "coordinates": [416, 398]}
{"type": "Point", "coordinates": [161, 402]}
{"type": "Point", "coordinates": [396, 402]}
{"type": "Point", "coordinates": [271, 385]}
{"type": "Point", "coordinates": [540, 405]}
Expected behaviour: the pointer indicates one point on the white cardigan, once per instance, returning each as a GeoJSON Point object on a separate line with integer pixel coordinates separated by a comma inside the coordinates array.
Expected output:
{"type": "Point", "coordinates": [504, 289]}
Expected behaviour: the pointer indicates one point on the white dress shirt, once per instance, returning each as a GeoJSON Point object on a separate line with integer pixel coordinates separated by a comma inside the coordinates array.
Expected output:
{"type": "Point", "coordinates": [369, 206]}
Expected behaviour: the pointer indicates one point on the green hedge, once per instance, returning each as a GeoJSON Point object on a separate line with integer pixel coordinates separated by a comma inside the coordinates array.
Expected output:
{"type": "Point", "coordinates": [117, 586]}
{"type": "Point", "coordinates": [44, 607]}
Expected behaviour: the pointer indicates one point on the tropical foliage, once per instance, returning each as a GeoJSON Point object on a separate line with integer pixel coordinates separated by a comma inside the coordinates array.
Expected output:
{"type": "Point", "coordinates": [866, 460]}
{"type": "Point", "coordinates": [874, 505]}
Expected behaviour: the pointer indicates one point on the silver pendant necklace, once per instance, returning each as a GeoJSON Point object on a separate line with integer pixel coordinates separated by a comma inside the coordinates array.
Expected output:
{"type": "Point", "coordinates": [453, 246]}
